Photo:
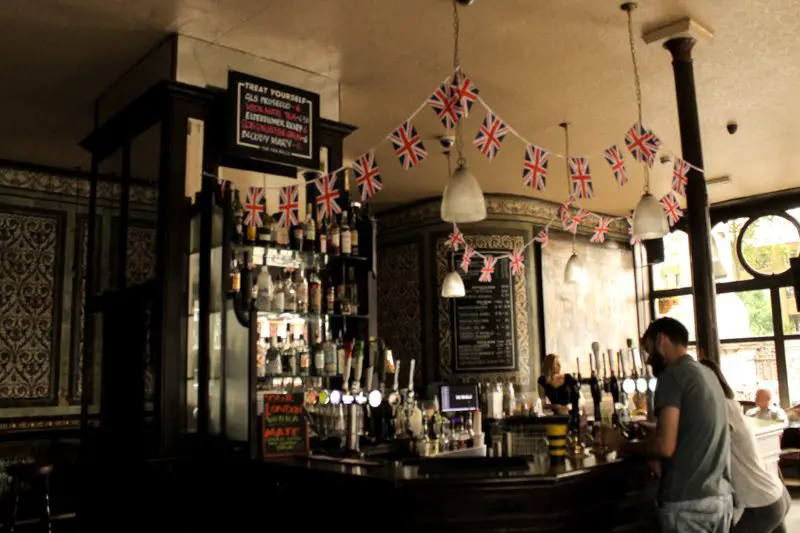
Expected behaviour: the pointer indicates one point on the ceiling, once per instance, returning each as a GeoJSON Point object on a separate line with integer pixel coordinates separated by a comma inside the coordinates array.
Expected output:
{"type": "Point", "coordinates": [536, 62]}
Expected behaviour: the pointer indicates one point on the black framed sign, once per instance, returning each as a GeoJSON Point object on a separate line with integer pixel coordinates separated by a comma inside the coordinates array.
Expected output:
{"type": "Point", "coordinates": [272, 121]}
{"type": "Point", "coordinates": [483, 321]}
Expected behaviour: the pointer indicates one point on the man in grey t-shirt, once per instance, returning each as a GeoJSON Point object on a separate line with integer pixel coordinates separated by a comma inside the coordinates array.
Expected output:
{"type": "Point", "coordinates": [691, 438]}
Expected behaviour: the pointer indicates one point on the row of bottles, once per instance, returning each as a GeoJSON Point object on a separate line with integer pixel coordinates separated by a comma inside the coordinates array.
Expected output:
{"type": "Point", "coordinates": [293, 292]}
{"type": "Point", "coordinates": [340, 236]}
{"type": "Point", "coordinates": [278, 357]}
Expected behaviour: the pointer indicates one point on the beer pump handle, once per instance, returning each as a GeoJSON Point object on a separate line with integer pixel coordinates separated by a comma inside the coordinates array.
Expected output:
{"type": "Point", "coordinates": [621, 363]}
{"type": "Point", "coordinates": [396, 385]}
{"type": "Point", "coordinates": [411, 366]}
{"type": "Point", "coordinates": [578, 368]}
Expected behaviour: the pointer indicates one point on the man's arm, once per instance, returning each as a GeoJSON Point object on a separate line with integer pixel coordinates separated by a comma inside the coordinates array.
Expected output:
{"type": "Point", "coordinates": [663, 443]}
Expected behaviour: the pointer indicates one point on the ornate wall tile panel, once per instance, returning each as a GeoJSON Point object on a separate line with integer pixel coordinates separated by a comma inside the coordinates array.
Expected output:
{"type": "Point", "coordinates": [523, 372]}
{"type": "Point", "coordinates": [400, 301]}
{"type": "Point", "coordinates": [31, 245]}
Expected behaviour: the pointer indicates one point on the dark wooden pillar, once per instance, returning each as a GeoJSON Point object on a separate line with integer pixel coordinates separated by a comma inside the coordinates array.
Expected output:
{"type": "Point", "coordinates": [699, 227]}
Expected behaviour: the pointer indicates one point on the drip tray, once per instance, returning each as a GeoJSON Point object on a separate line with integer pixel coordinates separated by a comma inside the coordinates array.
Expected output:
{"type": "Point", "coordinates": [461, 465]}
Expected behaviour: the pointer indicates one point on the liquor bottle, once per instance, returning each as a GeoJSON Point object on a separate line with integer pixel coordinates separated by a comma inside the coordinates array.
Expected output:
{"type": "Point", "coordinates": [310, 230]}
{"type": "Point", "coordinates": [354, 236]}
{"type": "Point", "coordinates": [301, 288]}
{"type": "Point", "coordinates": [341, 291]}
{"type": "Point", "coordinates": [346, 236]}
{"type": "Point", "coordinates": [315, 293]}
{"type": "Point", "coordinates": [264, 295]}
{"type": "Point", "coordinates": [329, 350]}
{"type": "Point", "coordinates": [323, 237]}
{"type": "Point", "coordinates": [238, 217]}
{"type": "Point", "coordinates": [336, 238]}
{"type": "Point", "coordinates": [288, 359]}
{"type": "Point", "coordinates": [236, 274]}
{"type": "Point", "coordinates": [274, 363]}
{"type": "Point", "coordinates": [282, 237]}
{"type": "Point", "coordinates": [269, 223]}
{"type": "Point", "coordinates": [252, 233]}
{"type": "Point", "coordinates": [278, 296]}
{"type": "Point", "coordinates": [352, 290]}
{"type": "Point", "coordinates": [289, 296]}
{"type": "Point", "coordinates": [330, 298]}
{"type": "Point", "coordinates": [304, 356]}
{"type": "Point", "coordinates": [245, 278]}
{"type": "Point", "coordinates": [298, 236]}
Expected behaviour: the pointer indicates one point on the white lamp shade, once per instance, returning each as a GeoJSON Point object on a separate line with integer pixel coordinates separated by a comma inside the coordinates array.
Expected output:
{"type": "Point", "coordinates": [574, 271]}
{"type": "Point", "coordinates": [463, 200]}
{"type": "Point", "coordinates": [649, 220]}
{"type": "Point", "coordinates": [453, 286]}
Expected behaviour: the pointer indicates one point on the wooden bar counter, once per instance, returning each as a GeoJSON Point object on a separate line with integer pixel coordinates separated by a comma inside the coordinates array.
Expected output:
{"type": "Point", "coordinates": [469, 494]}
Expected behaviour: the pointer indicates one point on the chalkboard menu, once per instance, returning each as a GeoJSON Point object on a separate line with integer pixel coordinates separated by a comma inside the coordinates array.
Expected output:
{"type": "Point", "coordinates": [273, 121]}
{"type": "Point", "coordinates": [483, 320]}
{"type": "Point", "coordinates": [284, 430]}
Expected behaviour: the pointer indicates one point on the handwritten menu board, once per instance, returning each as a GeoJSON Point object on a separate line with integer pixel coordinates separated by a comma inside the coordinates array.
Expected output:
{"type": "Point", "coordinates": [483, 320]}
{"type": "Point", "coordinates": [284, 430]}
{"type": "Point", "coordinates": [273, 121]}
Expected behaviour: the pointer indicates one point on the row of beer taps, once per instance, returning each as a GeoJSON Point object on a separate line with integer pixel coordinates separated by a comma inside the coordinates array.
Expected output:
{"type": "Point", "coordinates": [605, 378]}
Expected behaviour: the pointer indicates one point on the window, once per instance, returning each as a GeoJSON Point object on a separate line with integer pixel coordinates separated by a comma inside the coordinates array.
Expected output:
{"type": "Point", "coordinates": [757, 313]}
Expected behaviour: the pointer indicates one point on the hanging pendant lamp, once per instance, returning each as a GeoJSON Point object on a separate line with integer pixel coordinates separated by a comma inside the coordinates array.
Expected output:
{"type": "Point", "coordinates": [453, 285]}
{"type": "Point", "coordinates": [462, 200]}
{"type": "Point", "coordinates": [574, 272]}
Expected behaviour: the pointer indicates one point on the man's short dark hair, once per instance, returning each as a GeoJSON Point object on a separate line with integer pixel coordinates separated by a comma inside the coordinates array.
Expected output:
{"type": "Point", "coordinates": [669, 327]}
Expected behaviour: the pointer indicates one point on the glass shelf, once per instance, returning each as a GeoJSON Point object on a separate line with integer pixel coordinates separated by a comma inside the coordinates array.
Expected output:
{"type": "Point", "coordinates": [298, 317]}
{"type": "Point", "coordinates": [284, 258]}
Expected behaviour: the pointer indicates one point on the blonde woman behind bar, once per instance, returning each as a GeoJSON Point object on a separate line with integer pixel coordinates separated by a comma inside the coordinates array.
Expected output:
{"type": "Point", "coordinates": [554, 385]}
{"type": "Point", "coordinates": [765, 500]}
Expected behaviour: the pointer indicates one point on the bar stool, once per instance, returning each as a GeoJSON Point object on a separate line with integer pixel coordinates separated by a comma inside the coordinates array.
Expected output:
{"type": "Point", "coordinates": [25, 477]}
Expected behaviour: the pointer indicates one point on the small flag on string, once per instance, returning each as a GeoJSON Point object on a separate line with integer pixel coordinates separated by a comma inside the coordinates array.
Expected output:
{"type": "Point", "coordinates": [445, 103]}
{"type": "Point", "coordinates": [327, 195]}
{"type": "Point", "coordinates": [629, 220]}
{"type": "Point", "coordinates": [368, 175]}
{"type": "Point", "coordinates": [467, 258]}
{"type": "Point", "coordinates": [255, 207]}
{"type": "Point", "coordinates": [563, 212]}
{"type": "Point", "coordinates": [542, 238]}
{"type": "Point", "coordinates": [408, 145]}
{"type": "Point", "coordinates": [534, 170]}
{"type": "Point", "coordinates": [642, 143]}
{"type": "Point", "coordinates": [517, 262]}
{"type": "Point", "coordinates": [614, 157]}
{"type": "Point", "coordinates": [455, 239]}
{"type": "Point", "coordinates": [487, 269]}
{"type": "Point", "coordinates": [679, 179]}
{"type": "Point", "coordinates": [465, 92]}
{"type": "Point", "coordinates": [581, 178]}
{"type": "Point", "coordinates": [289, 206]}
{"type": "Point", "coordinates": [576, 220]}
{"type": "Point", "coordinates": [672, 208]}
{"type": "Point", "coordinates": [600, 231]}
{"type": "Point", "coordinates": [490, 135]}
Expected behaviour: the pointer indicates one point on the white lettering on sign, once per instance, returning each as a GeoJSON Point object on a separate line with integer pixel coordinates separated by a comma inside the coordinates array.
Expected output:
{"type": "Point", "coordinates": [463, 396]}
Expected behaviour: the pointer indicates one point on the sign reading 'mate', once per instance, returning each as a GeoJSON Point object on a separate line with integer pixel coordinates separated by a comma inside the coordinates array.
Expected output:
{"type": "Point", "coordinates": [273, 121]}
{"type": "Point", "coordinates": [284, 430]}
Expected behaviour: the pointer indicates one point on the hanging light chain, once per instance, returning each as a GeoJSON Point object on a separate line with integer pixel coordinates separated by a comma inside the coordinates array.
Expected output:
{"type": "Point", "coordinates": [565, 125]}
{"type": "Point", "coordinates": [629, 7]}
{"type": "Point", "coordinates": [461, 161]}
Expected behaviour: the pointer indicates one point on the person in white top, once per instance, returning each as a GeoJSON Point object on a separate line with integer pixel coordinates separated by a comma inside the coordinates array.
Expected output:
{"type": "Point", "coordinates": [765, 409]}
{"type": "Point", "coordinates": [759, 491]}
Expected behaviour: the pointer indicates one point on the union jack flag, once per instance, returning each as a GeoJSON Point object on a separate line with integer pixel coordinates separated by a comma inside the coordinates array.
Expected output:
{"type": "Point", "coordinates": [614, 157]}
{"type": "Point", "coordinates": [445, 103]}
{"type": "Point", "coordinates": [469, 251]}
{"type": "Point", "coordinates": [600, 231]}
{"type": "Point", "coordinates": [672, 208]}
{"type": "Point", "coordinates": [629, 220]}
{"type": "Point", "coordinates": [490, 135]}
{"type": "Point", "coordinates": [407, 145]}
{"type": "Point", "coordinates": [368, 175]}
{"type": "Point", "coordinates": [563, 211]}
{"type": "Point", "coordinates": [464, 91]}
{"type": "Point", "coordinates": [327, 195]}
{"type": "Point", "coordinates": [255, 207]}
{"type": "Point", "coordinates": [289, 206]}
{"type": "Point", "coordinates": [517, 262]}
{"type": "Point", "coordinates": [581, 178]}
{"type": "Point", "coordinates": [542, 238]}
{"type": "Point", "coordinates": [455, 239]}
{"type": "Point", "coordinates": [679, 179]}
{"type": "Point", "coordinates": [576, 219]}
{"type": "Point", "coordinates": [534, 170]}
{"type": "Point", "coordinates": [487, 269]}
{"type": "Point", "coordinates": [642, 143]}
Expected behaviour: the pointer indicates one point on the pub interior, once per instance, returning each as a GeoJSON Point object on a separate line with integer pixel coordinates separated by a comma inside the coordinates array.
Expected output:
{"type": "Point", "coordinates": [253, 301]}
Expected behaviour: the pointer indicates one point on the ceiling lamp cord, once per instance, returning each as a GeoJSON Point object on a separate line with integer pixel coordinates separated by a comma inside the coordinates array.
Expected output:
{"type": "Point", "coordinates": [629, 7]}
{"type": "Point", "coordinates": [456, 64]}
{"type": "Point", "coordinates": [565, 125]}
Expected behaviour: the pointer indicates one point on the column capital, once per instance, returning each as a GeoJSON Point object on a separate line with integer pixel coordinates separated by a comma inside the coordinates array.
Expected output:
{"type": "Point", "coordinates": [681, 48]}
